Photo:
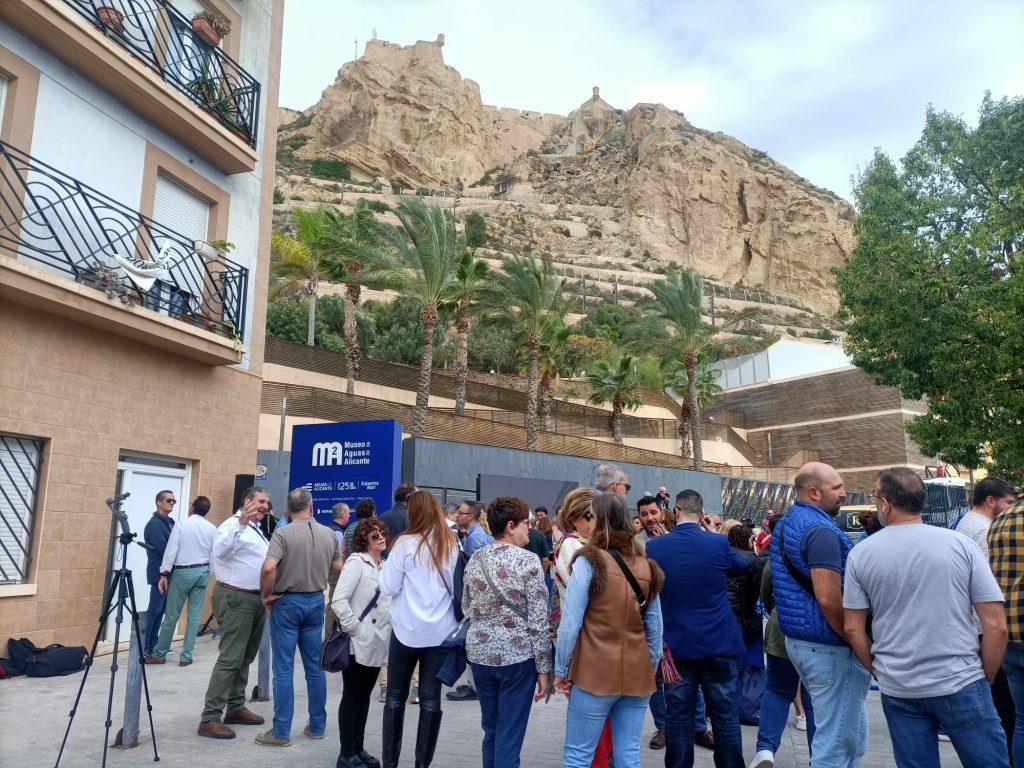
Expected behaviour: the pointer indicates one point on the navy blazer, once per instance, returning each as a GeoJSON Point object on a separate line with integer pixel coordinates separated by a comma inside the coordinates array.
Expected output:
{"type": "Point", "coordinates": [699, 623]}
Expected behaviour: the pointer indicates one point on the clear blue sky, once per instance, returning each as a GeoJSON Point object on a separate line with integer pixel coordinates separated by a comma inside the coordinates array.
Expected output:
{"type": "Point", "coordinates": [817, 85]}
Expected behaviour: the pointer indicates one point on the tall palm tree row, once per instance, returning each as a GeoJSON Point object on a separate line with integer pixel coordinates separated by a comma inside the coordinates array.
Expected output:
{"type": "Point", "coordinates": [615, 383]}
{"type": "Point", "coordinates": [528, 296]}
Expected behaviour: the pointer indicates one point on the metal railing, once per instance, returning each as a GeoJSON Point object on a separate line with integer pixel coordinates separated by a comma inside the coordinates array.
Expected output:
{"type": "Point", "coordinates": [68, 227]}
{"type": "Point", "coordinates": [161, 38]}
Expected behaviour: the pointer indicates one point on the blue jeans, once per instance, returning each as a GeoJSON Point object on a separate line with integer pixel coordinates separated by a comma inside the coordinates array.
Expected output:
{"type": "Point", "coordinates": [585, 721]}
{"type": "Point", "coordinates": [718, 678]}
{"type": "Point", "coordinates": [659, 711]}
{"type": "Point", "coordinates": [297, 619]}
{"type": "Point", "coordinates": [838, 684]}
{"type": "Point", "coordinates": [154, 615]}
{"type": "Point", "coordinates": [779, 693]}
{"type": "Point", "coordinates": [1013, 666]}
{"type": "Point", "coordinates": [506, 696]}
{"type": "Point", "coordinates": [968, 717]}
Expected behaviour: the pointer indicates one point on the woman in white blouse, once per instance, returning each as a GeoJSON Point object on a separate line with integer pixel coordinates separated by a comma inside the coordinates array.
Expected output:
{"type": "Point", "coordinates": [419, 574]}
{"type": "Point", "coordinates": [356, 594]}
{"type": "Point", "coordinates": [577, 522]}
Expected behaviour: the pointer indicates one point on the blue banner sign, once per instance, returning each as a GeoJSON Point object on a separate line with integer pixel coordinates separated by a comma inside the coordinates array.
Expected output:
{"type": "Point", "coordinates": [346, 462]}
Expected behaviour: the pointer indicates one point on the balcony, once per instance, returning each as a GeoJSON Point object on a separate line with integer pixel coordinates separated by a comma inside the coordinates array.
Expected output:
{"type": "Point", "coordinates": [146, 53]}
{"type": "Point", "coordinates": [55, 227]}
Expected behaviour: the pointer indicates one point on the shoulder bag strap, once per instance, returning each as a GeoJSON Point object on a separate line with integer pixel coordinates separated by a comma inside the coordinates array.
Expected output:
{"type": "Point", "coordinates": [631, 579]}
{"type": "Point", "coordinates": [798, 577]}
{"type": "Point", "coordinates": [517, 610]}
{"type": "Point", "coordinates": [369, 606]}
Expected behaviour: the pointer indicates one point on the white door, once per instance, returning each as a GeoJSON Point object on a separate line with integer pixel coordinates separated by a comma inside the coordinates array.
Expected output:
{"type": "Point", "coordinates": [144, 478]}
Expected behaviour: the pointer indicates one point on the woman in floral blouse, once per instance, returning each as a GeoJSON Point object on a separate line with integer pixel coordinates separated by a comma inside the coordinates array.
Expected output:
{"type": "Point", "coordinates": [508, 644]}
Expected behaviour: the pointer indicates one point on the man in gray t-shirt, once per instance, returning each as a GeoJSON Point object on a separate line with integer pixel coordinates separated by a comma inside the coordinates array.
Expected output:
{"type": "Point", "coordinates": [921, 586]}
{"type": "Point", "coordinates": [292, 584]}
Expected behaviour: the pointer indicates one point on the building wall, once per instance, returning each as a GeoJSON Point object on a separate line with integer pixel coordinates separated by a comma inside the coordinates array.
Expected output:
{"type": "Point", "coordinates": [91, 398]}
{"type": "Point", "coordinates": [856, 425]}
{"type": "Point", "coordinates": [91, 395]}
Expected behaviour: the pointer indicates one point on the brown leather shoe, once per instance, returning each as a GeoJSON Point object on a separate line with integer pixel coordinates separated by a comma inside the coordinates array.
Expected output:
{"type": "Point", "coordinates": [154, 660]}
{"type": "Point", "coordinates": [243, 717]}
{"type": "Point", "coordinates": [658, 740]}
{"type": "Point", "coordinates": [215, 729]}
{"type": "Point", "coordinates": [704, 739]}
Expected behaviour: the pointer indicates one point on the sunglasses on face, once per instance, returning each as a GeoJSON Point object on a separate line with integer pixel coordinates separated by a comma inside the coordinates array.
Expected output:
{"type": "Point", "coordinates": [376, 536]}
{"type": "Point", "coordinates": [170, 501]}
{"type": "Point", "coordinates": [626, 485]}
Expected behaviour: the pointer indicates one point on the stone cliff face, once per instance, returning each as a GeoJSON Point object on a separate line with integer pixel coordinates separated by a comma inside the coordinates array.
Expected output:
{"type": "Point", "coordinates": [401, 113]}
{"type": "Point", "coordinates": [602, 181]}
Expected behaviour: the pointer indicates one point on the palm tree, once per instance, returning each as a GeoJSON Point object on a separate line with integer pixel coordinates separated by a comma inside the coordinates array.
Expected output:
{"type": "Point", "coordinates": [554, 362]}
{"type": "Point", "coordinates": [302, 262]}
{"type": "Point", "coordinates": [419, 260]}
{"type": "Point", "coordinates": [708, 388]}
{"type": "Point", "coordinates": [678, 300]}
{"type": "Point", "coordinates": [347, 238]}
{"type": "Point", "coordinates": [528, 295]}
{"type": "Point", "coordinates": [615, 384]}
{"type": "Point", "coordinates": [473, 276]}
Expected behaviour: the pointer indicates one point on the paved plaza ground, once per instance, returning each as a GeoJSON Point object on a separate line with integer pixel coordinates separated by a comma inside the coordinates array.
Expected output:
{"type": "Point", "coordinates": [34, 715]}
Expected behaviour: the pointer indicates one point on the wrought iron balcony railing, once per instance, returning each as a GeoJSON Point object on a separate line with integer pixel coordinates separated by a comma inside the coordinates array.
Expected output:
{"type": "Point", "coordinates": [66, 226]}
{"type": "Point", "coordinates": [161, 37]}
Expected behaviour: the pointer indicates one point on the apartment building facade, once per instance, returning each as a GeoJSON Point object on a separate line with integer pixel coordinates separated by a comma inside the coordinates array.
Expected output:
{"type": "Point", "coordinates": [136, 184]}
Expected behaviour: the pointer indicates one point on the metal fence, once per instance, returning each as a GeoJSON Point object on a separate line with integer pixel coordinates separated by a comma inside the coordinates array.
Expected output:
{"type": "Point", "coordinates": [161, 37]}
{"type": "Point", "coordinates": [946, 504]}
{"type": "Point", "coordinates": [66, 226]}
{"type": "Point", "coordinates": [742, 497]}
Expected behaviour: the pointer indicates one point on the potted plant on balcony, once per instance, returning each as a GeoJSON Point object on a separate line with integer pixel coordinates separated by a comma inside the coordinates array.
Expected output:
{"type": "Point", "coordinates": [210, 27]}
{"type": "Point", "coordinates": [110, 18]}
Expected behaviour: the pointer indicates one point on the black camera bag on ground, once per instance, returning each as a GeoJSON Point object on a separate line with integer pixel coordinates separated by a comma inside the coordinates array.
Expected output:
{"type": "Point", "coordinates": [52, 661]}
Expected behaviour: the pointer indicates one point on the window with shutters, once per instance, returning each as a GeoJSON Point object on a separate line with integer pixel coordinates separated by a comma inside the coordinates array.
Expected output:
{"type": "Point", "coordinates": [189, 215]}
{"type": "Point", "coordinates": [3, 95]}
{"type": "Point", "coordinates": [20, 463]}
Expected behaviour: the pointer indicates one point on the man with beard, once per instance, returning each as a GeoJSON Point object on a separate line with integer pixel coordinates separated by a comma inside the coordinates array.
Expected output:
{"type": "Point", "coordinates": [651, 520]}
{"type": "Point", "coordinates": [808, 561]}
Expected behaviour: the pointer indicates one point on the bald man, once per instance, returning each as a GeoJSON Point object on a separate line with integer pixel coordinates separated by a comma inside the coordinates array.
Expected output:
{"type": "Point", "coordinates": [808, 560]}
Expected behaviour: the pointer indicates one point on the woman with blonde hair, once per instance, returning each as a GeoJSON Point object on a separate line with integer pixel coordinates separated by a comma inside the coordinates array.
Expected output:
{"type": "Point", "coordinates": [611, 604]}
{"type": "Point", "coordinates": [577, 523]}
{"type": "Point", "coordinates": [419, 575]}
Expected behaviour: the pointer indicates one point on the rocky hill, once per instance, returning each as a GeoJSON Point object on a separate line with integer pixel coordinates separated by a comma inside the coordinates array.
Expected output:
{"type": "Point", "coordinates": [609, 193]}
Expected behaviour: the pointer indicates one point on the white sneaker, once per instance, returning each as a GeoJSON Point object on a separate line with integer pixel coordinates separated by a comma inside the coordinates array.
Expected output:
{"type": "Point", "coordinates": [800, 722]}
{"type": "Point", "coordinates": [944, 738]}
{"type": "Point", "coordinates": [763, 759]}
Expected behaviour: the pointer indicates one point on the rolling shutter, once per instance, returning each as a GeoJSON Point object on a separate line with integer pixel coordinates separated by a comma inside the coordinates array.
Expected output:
{"type": "Point", "coordinates": [177, 208]}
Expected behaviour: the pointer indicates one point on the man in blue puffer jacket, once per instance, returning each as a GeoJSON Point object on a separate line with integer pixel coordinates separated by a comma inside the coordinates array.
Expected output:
{"type": "Point", "coordinates": [808, 556]}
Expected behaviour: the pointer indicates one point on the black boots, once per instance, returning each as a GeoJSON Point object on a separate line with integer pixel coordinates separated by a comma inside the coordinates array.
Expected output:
{"type": "Point", "coordinates": [426, 735]}
{"type": "Point", "coordinates": [391, 732]}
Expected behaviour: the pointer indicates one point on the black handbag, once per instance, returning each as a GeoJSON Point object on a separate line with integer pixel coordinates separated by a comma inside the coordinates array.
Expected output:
{"type": "Point", "coordinates": [335, 650]}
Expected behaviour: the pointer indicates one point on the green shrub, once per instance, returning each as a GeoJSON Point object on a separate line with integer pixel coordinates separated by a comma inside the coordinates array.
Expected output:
{"type": "Point", "coordinates": [278, 196]}
{"type": "Point", "coordinates": [378, 206]}
{"type": "Point", "coordinates": [476, 230]}
{"type": "Point", "coordinates": [330, 169]}
{"type": "Point", "coordinates": [297, 141]}
{"type": "Point", "coordinates": [300, 198]}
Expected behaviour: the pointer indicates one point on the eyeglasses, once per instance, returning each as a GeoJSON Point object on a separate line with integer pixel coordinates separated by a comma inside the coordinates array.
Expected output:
{"type": "Point", "coordinates": [627, 485]}
{"type": "Point", "coordinates": [376, 536]}
{"type": "Point", "coordinates": [873, 497]}
{"type": "Point", "coordinates": [170, 501]}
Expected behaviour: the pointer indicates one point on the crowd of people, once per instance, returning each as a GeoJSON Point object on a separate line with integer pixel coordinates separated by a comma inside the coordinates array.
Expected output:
{"type": "Point", "coordinates": [666, 607]}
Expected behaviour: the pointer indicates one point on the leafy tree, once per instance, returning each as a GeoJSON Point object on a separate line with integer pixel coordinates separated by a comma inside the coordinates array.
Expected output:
{"type": "Point", "coordinates": [398, 332]}
{"type": "Point", "coordinates": [288, 320]}
{"type": "Point", "coordinates": [934, 286]}
{"type": "Point", "coordinates": [528, 295]}
{"type": "Point", "coordinates": [494, 348]}
{"type": "Point", "coordinates": [607, 320]}
{"type": "Point", "coordinates": [419, 261]}
{"type": "Point", "coordinates": [301, 262]}
{"type": "Point", "coordinates": [615, 383]}
{"type": "Point", "coordinates": [553, 363]}
{"type": "Point", "coordinates": [475, 230]}
{"type": "Point", "coordinates": [278, 196]}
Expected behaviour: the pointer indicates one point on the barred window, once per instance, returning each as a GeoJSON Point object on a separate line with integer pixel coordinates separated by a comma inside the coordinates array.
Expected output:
{"type": "Point", "coordinates": [20, 462]}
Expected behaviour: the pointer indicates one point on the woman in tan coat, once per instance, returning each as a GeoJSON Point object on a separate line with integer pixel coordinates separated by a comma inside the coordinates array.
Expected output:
{"type": "Point", "coordinates": [600, 663]}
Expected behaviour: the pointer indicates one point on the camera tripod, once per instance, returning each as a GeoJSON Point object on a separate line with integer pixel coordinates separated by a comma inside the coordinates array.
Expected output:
{"type": "Point", "coordinates": [122, 586]}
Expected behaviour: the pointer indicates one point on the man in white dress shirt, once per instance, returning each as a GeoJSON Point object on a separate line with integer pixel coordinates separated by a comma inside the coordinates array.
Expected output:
{"type": "Point", "coordinates": [238, 554]}
{"type": "Point", "coordinates": [184, 573]}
